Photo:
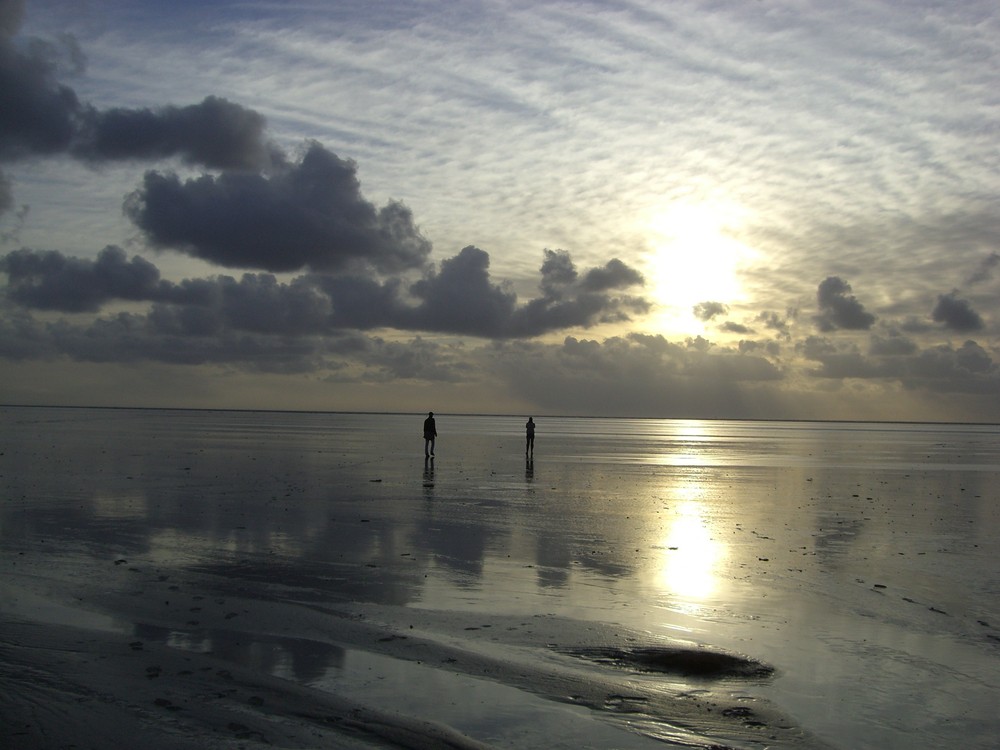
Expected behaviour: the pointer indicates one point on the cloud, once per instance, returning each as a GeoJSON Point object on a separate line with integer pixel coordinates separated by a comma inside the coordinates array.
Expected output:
{"type": "Point", "coordinates": [614, 275]}
{"type": "Point", "coordinates": [968, 369]}
{"type": "Point", "coordinates": [838, 309]}
{"type": "Point", "coordinates": [38, 115]}
{"type": "Point", "coordinates": [6, 196]}
{"type": "Point", "coordinates": [419, 359]}
{"type": "Point", "coordinates": [52, 281]}
{"type": "Point", "coordinates": [461, 298]}
{"type": "Point", "coordinates": [707, 310]}
{"type": "Point", "coordinates": [893, 345]}
{"type": "Point", "coordinates": [308, 214]}
{"type": "Point", "coordinates": [985, 270]}
{"type": "Point", "coordinates": [558, 273]}
{"type": "Point", "coordinates": [638, 375]}
{"type": "Point", "coordinates": [215, 133]}
{"type": "Point", "coordinates": [775, 322]}
{"type": "Point", "coordinates": [463, 286]}
{"type": "Point", "coordinates": [956, 314]}
{"type": "Point", "coordinates": [946, 369]}
{"type": "Point", "coordinates": [11, 16]}
{"type": "Point", "coordinates": [731, 327]}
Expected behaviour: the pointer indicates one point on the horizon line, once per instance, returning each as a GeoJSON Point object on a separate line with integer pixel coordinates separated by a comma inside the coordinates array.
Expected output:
{"type": "Point", "coordinates": [492, 414]}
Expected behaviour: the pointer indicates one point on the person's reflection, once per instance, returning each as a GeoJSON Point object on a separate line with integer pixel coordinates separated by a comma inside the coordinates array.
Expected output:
{"type": "Point", "coordinates": [529, 470]}
{"type": "Point", "coordinates": [429, 477]}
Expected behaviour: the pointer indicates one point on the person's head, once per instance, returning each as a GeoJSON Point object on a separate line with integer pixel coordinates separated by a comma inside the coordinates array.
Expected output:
{"type": "Point", "coordinates": [430, 414]}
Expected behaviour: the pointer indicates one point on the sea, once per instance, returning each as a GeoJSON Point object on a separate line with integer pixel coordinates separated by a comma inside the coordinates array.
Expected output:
{"type": "Point", "coordinates": [858, 559]}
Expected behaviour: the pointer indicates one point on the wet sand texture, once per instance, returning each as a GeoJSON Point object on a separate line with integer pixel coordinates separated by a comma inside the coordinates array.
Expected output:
{"type": "Point", "coordinates": [233, 580]}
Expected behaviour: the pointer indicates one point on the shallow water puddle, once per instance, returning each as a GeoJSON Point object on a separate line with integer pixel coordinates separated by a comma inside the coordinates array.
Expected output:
{"type": "Point", "coordinates": [481, 708]}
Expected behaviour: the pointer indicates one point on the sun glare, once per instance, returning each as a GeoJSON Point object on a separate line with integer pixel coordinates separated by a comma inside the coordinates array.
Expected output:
{"type": "Point", "coordinates": [694, 257]}
{"type": "Point", "coordinates": [690, 555]}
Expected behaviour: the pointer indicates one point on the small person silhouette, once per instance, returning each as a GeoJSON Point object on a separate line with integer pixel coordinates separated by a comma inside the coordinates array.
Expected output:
{"type": "Point", "coordinates": [529, 437]}
{"type": "Point", "coordinates": [430, 433]}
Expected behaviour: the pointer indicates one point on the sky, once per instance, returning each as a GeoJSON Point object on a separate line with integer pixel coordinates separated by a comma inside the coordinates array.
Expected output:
{"type": "Point", "coordinates": [782, 209]}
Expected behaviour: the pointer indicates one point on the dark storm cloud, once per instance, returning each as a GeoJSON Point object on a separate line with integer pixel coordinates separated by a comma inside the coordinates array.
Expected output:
{"type": "Point", "coordinates": [956, 314]}
{"type": "Point", "coordinates": [705, 311]}
{"type": "Point", "coordinates": [309, 214]}
{"type": "Point", "coordinates": [215, 133]}
{"type": "Point", "coordinates": [839, 309]}
{"type": "Point", "coordinates": [53, 281]}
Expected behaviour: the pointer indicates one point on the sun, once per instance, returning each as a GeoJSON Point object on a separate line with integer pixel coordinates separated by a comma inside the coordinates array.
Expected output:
{"type": "Point", "coordinates": [695, 256]}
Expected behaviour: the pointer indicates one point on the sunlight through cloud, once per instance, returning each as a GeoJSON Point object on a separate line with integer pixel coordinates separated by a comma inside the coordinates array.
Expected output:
{"type": "Point", "coordinates": [695, 257]}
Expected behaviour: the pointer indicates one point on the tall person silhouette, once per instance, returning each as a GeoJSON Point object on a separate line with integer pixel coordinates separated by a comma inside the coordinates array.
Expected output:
{"type": "Point", "coordinates": [430, 433]}
{"type": "Point", "coordinates": [529, 437]}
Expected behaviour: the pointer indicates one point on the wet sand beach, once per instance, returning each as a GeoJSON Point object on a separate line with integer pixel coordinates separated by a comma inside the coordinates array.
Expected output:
{"type": "Point", "coordinates": [197, 579]}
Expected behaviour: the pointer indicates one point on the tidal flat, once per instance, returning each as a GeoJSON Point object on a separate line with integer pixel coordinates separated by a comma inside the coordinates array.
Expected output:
{"type": "Point", "coordinates": [212, 579]}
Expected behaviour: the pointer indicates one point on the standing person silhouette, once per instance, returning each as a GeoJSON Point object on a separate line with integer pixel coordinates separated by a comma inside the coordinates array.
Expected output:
{"type": "Point", "coordinates": [430, 432]}
{"type": "Point", "coordinates": [529, 437]}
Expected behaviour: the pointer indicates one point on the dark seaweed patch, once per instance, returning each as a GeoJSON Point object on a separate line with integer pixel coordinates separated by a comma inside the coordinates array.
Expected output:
{"type": "Point", "coordinates": [684, 662]}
